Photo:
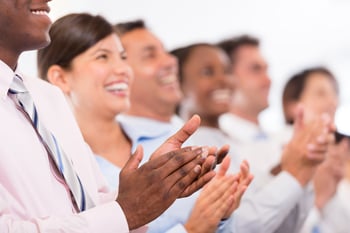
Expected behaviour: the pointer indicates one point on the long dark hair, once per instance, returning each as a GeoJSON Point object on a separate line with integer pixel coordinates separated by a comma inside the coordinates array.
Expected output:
{"type": "Point", "coordinates": [70, 36]}
{"type": "Point", "coordinates": [296, 84]}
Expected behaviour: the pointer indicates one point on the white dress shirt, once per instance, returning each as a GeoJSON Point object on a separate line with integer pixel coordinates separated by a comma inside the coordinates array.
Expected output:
{"type": "Point", "coordinates": [31, 198]}
{"type": "Point", "coordinates": [271, 204]}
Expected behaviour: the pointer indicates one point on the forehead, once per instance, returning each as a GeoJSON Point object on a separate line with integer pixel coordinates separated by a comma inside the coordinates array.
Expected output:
{"type": "Point", "coordinates": [319, 80]}
{"type": "Point", "coordinates": [207, 54]}
{"type": "Point", "coordinates": [110, 42]}
{"type": "Point", "coordinates": [139, 39]}
{"type": "Point", "coordinates": [250, 53]}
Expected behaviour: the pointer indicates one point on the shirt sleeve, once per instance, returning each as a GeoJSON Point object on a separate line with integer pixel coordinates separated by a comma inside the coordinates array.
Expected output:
{"type": "Point", "coordinates": [332, 218]}
{"type": "Point", "coordinates": [105, 218]}
{"type": "Point", "coordinates": [227, 225]}
{"type": "Point", "coordinates": [264, 210]}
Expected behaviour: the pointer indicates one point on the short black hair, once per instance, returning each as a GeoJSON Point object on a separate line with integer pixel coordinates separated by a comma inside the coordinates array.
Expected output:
{"type": "Point", "coordinates": [231, 45]}
{"type": "Point", "coordinates": [125, 27]}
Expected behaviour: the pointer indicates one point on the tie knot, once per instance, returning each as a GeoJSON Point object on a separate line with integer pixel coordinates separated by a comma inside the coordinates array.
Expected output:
{"type": "Point", "coordinates": [17, 86]}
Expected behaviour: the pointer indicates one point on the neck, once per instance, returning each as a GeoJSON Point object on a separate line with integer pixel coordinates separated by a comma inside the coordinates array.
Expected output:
{"type": "Point", "coordinates": [9, 57]}
{"type": "Point", "coordinates": [110, 142]}
{"type": "Point", "coordinates": [159, 113]}
{"type": "Point", "coordinates": [245, 113]}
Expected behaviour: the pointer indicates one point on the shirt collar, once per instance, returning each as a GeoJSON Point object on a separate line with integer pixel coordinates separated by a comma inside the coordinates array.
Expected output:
{"type": "Point", "coordinates": [244, 130]}
{"type": "Point", "coordinates": [142, 127]}
{"type": "Point", "coordinates": [6, 79]}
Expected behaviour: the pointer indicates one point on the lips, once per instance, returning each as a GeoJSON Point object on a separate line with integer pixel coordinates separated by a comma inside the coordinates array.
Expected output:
{"type": "Point", "coordinates": [221, 95]}
{"type": "Point", "coordinates": [40, 10]}
{"type": "Point", "coordinates": [117, 87]}
{"type": "Point", "coordinates": [169, 79]}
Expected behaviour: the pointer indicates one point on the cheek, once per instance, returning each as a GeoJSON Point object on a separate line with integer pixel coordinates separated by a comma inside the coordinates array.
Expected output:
{"type": "Point", "coordinates": [145, 73]}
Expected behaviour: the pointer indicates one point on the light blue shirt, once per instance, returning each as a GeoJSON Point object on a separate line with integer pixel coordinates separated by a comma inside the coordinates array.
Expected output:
{"type": "Point", "coordinates": [151, 134]}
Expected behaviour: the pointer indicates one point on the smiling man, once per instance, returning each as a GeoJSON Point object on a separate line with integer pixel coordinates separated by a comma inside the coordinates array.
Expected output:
{"type": "Point", "coordinates": [49, 180]}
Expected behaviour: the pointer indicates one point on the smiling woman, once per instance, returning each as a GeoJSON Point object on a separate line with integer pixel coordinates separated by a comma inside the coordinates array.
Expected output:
{"type": "Point", "coordinates": [87, 62]}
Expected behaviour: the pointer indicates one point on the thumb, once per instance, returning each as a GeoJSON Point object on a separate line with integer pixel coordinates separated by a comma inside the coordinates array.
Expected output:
{"type": "Point", "coordinates": [135, 159]}
{"type": "Point", "coordinates": [185, 132]}
{"type": "Point", "coordinates": [224, 166]}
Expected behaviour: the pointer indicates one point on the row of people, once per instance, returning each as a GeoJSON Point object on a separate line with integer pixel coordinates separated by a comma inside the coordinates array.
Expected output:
{"type": "Point", "coordinates": [86, 60]}
{"type": "Point", "coordinates": [154, 96]}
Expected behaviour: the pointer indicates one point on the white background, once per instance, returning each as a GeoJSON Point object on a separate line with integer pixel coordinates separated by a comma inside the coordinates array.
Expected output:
{"type": "Point", "coordinates": [295, 34]}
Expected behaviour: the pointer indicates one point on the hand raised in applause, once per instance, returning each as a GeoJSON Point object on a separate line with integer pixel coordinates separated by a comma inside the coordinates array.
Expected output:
{"type": "Point", "coordinates": [308, 146]}
{"type": "Point", "coordinates": [146, 192]}
{"type": "Point", "coordinates": [218, 199]}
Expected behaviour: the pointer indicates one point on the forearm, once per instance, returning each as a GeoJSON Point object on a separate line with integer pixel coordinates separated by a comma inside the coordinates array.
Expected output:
{"type": "Point", "coordinates": [266, 209]}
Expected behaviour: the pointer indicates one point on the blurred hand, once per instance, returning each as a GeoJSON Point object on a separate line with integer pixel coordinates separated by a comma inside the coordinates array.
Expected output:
{"type": "Point", "coordinates": [244, 179]}
{"type": "Point", "coordinates": [213, 202]}
{"type": "Point", "coordinates": [330, 172]}
{"type": "Point", "coordinates": [308, 147]}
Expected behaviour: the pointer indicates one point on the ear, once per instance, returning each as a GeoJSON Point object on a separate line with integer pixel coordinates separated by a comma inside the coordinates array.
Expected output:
{"type": "Point", "coordinates": [292, 109]}
{"type": "Point", "coordinates": [57, 76]}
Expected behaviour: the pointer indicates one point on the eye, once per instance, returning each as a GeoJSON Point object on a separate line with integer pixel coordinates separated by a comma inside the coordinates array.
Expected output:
{"type": "Point", "coordinates": [102, 56]}
{"type": "Point", "coordinates": [207, 71]}
{"type": "Point", "coordinates": [149, 55]}
{"type": "Point", "coordinates": [123, 56]}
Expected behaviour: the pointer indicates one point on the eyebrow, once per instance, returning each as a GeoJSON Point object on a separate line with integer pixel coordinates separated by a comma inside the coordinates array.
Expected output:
{"type": "Point", "coordinates": [149, 48]}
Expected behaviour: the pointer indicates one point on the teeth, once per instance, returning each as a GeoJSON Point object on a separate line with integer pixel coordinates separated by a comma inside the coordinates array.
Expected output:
{"type": "Point", "coordinates": [117, 87]}
{"type": "Point", "coordinates": [221, 95]}
{"type": "Point", "coordinates": [39, 12]}
{"type": "Point", "coordinates": [168, 79]}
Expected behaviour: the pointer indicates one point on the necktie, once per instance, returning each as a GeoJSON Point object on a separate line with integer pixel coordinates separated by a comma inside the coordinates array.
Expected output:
{"type": "Point", "coordinates": [64, 166]}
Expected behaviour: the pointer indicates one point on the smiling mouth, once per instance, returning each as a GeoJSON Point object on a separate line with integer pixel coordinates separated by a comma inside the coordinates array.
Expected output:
{"type": "Point", "coordinates": [39, 12]}
{"type": "Point", "coordinates": [169, 79]}
{"type": "Point", "coordinates": [221, 95]}
{"type": "Point", "coordinates": [118, 87]}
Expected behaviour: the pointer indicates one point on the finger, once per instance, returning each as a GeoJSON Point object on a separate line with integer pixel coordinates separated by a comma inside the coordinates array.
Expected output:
{"type": "Point", "coordinates": [172, 160]}
{"type": "Point", "coordinates": [178, 161]}
{"type": "Point", "coordinates": [244, 169]}
{"type": "Point", "coordinates": [316, 157]}
{"type": "Point", "coordinates": [181, 135]}
{"type": "Point", "coordinates": [224, 166]}
{"type": "Point", "coordinates": [221, 154]}
{"type": "Point", "coordinates": [317, 148]}
{"type": "Point", "coordinates": [195, 184]}
{"type": "Point", "coordinates": [135, 159]}
{"type": "Point", "coordinates": [208, 164]}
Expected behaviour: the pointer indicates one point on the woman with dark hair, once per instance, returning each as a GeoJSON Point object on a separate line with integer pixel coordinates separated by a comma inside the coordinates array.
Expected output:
{"type": "Point", "coordinates": [207, 85]}
{"type": "Point", "coordinates": [87, 61]}
{"type": "Point", "coordinates": [316, 90]}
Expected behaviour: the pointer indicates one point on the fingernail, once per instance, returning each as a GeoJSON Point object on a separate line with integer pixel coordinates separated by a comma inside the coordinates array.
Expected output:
{"type": "Point", "coordinates": [198, 150]}
{"type": "Point", "coordinates": [197, 169]}
{"type": "Point", "coordinates": [205, 151]}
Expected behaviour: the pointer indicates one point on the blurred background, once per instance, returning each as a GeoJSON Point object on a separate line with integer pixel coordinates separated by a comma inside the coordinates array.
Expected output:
{"type": "Point", "coordinates": [294, 34]}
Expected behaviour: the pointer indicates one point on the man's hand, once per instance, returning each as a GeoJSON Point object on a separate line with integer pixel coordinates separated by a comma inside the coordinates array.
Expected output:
{"type": "Point", "coordinates": [211, 155]}
{"type": "Point", "coordinates": [146, 192]}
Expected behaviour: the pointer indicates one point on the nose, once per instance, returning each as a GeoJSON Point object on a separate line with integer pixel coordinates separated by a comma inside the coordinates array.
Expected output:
{"type": "Point", "coordinates": [267, 80]}
{"type": "Point", "coordinates": [124, 69]}
{"type": "Point", "coordinates": [170, 62]}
